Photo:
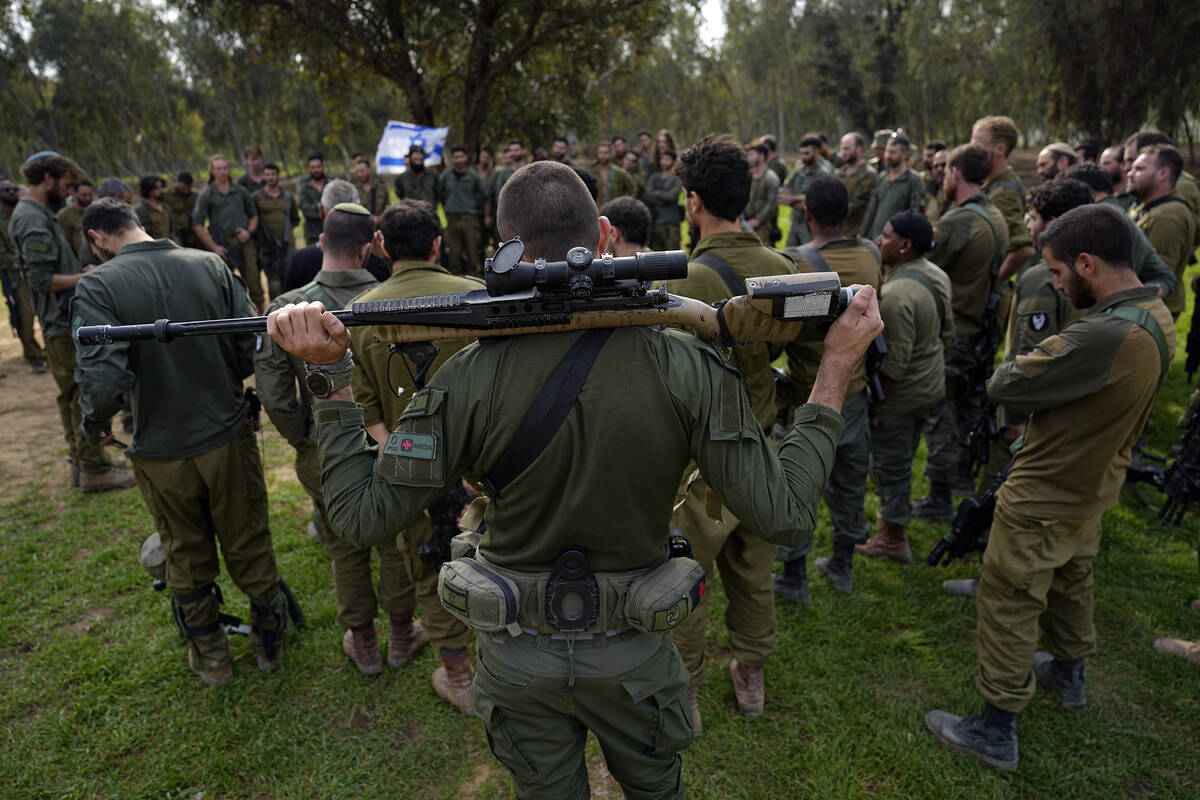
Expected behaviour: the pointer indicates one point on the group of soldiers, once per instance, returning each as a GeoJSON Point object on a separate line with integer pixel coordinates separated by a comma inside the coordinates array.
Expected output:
{"type": "Point", "coordinates": [948, 266]}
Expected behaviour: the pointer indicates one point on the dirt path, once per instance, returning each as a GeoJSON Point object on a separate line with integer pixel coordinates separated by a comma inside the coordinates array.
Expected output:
{"type": "Point", "coordinates": [34, 450]}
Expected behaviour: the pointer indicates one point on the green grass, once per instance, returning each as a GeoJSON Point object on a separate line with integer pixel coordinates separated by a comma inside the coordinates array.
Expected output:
{"type": "Point", "coordinates": [98, 703]}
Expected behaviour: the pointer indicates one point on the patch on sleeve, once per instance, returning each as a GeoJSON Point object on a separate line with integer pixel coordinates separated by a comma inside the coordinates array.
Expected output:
{"type": "Point", "coordinates": [422, 404]}
{"type": "Point", "coordinates": [1037, 322]}
{"type": "Point", "coordinates": [36, 248]}
{"type": "Point", "coordinates": [411, 445]}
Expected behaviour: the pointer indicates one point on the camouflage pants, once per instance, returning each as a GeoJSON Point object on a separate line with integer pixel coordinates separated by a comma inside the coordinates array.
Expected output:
{"type": "Point", "coordinates": [464, 244]}
{"type": "Point", "coordinates": [1036, 573]}
{"type": "Point", "coordinates": [60, 357]}
{"type": "Point", "coordinates": [893, 446]}
{"type": "Point", "coordinates": [950, 423]}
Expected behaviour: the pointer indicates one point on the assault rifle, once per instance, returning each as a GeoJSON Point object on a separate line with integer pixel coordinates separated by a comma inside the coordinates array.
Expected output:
{"type": "Point", "coordinates": [443, 517]}
{"type": "Point", "coordinates": [1193, 340]}
{"type": "Point", "coordinates": [876, 352]}
{"type": "Point", "coordinates": [1181, 480]}
{"type": "Point", "coordinates": [232, 254]}
{"type": "Point", "coordinates": [986, 342]}
{"type": "Point", "coordinates": [10, 297]}
{"type": "Point", "coordinates": [972, 521]}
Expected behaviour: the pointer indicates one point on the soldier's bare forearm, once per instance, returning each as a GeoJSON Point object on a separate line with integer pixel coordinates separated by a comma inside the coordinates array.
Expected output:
{"type": "Point", "coordinates": [1013, 262]}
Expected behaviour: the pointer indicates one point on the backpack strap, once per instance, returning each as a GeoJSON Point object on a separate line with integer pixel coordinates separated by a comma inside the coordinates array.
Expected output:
{"type": "Point", "coordinates": [1142, 318]}
{"type": "Point", "coordinates": [997, 253]}
{"type": "Point", "coordinates": [1008, 185]}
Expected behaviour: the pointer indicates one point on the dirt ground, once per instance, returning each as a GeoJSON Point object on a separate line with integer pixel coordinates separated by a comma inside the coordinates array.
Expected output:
{"type": "Point", "coordinates": [34, 450]}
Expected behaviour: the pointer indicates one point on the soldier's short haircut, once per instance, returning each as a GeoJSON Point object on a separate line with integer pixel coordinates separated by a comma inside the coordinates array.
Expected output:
{"type": "Point", "coordinates": [415, 148]}
{"type": "Point", "coordinates": [972, 161]}
{"type": "Point", "coordinates": [619, 137]}
{"type": "Point", "coordinates": [548, 205]}
{"type": "Point", "coordinates": [1146, 138]}
{"type": "Point", "coordinates": [900, 140]}
{"type": "Point", "coordinates": [1094, 176]}
{"type": "Point", "coordinates": [315, 155]}
{"type": "Point", "coordinates": [147, 183]}
{"type": "Point", "coordinates": [642, 133]}
{"type": "Point", "coordinates": [1052, 199]}
{"type": "Point", "coordinates": [458, 148]}
{"type": "Point", "coordinates": [109, 215]}
{"type": "Point", "coordinates": [631, 217]}
{"type": "Point", "coordinates": [1165, 156]}
{"type": "Point", "coordinates": [770, 141]}
{"type": "Point", "coordinates": [345, 233]}
{"type": "Point", "coordinates": [828, 201]}
{"type": "Point", "coordinates": [1002, 130]}
{"type": "Point", "coordinates": [517, 142]}
{"type": "Point", "coordinates": [185, 177]}
{"type": "Point", "coordinates": [1097, 229]}
{"type": "Point", "coordinates": [810, 141]}
{"type": "Point", "coordinates": [409, 230]}
{"type": "Point", "coordinates": [55, 166]}
{"type": "Point", "coordinates": [82, 182]}
{"type": "Point", "coordinates": [338, 191]}
{"type": "Point", "coordinates": [759, 148]}
{"type": "Point", "coordinates": [1090, 147]}
{"type": "Point", "coordinates": [252, 150]}
{"type": "Point", "coordinates": [271, 165]}
{"type": "Point", "coordinates": [112, 187]}
{"type": "Point", "coordinates": [858, 138]}
{"type": "Point", "coordinates": [562, 139]}
{"type": "Point", "coordinates": [936, 145]}
{"type": "Point", "coordinates": [717, 170]}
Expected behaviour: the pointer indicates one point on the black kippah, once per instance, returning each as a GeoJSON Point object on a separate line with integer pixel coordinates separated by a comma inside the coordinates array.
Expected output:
{"type": "Point", "coordinates": [915, 227]}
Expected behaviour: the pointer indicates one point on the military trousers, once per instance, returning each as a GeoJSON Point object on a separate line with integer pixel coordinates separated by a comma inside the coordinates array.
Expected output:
{"type": "Point", "coordinates": [847, 489]}
{"type": "Point", "coordinates": [666, 236]}
{"type": "Point", "coordinates": [950, 423]}
{"type": "Point", "coordinates": [1035, 573]}
{"type": "Point", "coordinates": [744, 562]}
{"type": "Point", "coordinates": [30, 349]}
{"type": "Point", "coordinates": [893, 447]}
{"type": "Point", "coordinates": [446, 631]}
{"type": "Point", "coordinates": [218, 498]}
{"type": "Point", "coordinates": [250, 272]}
{"type": "Point", "coordinates": [308, 471]}
{"type": "Point", "coordinates": [60, 358]}
{"type": "Point", "coordinates": [357, 601]}
{"type": "Point", "coordinates": [538, 701]}
{"type": "Point", "coordinates": [464, 244]}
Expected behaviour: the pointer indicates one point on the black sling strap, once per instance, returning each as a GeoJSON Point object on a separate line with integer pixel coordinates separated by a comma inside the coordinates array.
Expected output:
{"type": "Point", "coordinates": [813, 256]}
{"type": "Point", "coordinates": [736, 285]}
{"type": "Point", "coordinates": [547, 412]}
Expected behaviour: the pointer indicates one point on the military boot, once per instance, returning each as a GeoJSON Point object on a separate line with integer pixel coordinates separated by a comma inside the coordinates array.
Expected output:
{"type": "Point", "coordinates": [694, 703]}
{"type": "Point", "coordinates": [212, 675]}
{"type": "Point", "coordinates": [361, 645]}
{"type": "Point", "coordinates": [1178, 647]}
{"type": "Point", "coordinates": [890, 543]}
{"type": "Point", "coordinates": [837, 567]}
{"type": "Point", "coordinates": [452, 681]}
{"type": "Point", "coordinates": [748, 688]}
{"type": "Point", "coordinates": [208, 656]}
{"type": "Point", "coordinates": [792, 584]}
{"type": "Point", "coordinates": [406, 639]}
{"type": "Point", "coordinates": [961, 587]}
{"type": "Point", "coordinates": [111, 479]}
{"type": "Point", "coordinates": [937, 506]}
{"type": "Point", "coordinates": [1065, 678]}
{"type": "Point", "coordinates": [267, 624]}
{"type": "Point", "coordinates": [989, 736]}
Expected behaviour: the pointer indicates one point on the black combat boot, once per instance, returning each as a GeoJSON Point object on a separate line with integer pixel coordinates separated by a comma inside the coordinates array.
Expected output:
{"type": "Point", "coordinates": [1065, 678]}
{"type": "Point", "coordinates": [792, 584]}
{"type": "Point", "coordinates": [837, 567]}
{"type": "Point", "coordinates": [989, 736]}
{"type": "Point", "coordinates": [937, 506]}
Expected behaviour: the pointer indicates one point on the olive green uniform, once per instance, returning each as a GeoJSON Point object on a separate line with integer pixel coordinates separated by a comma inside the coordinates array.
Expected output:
{"type": "Point", "coordinates": [375, 390]}
{"type": "Point", "coordinates": [919, 330]}
{"type": "Point", "coordinates": [277, 218]}
{"type": "Point", "coordinates": [158, 222]}
{"type": "Point", "coordinates": [662, 198]}
{"type": "Point", "coordinates": [860, 185]}
{"type": "Point", "coordinates": [374, 197]}
{"type": "Point", "coordinates": [423, 185]}
{"type": "Point", "coordinates": [308, 196]}
{"type": "Point", "coordinates": [249, 184]}
{"type": "Point", "coordinates": [890, 197]}
{"type": "Point", "coordinates": [613, 182]}
{"type": "Point", "coordinates": [1008, 194]}
{"type": "Point", "coordinates": [763, 205]}
{"type": "Point", "coordinates": [194, 452]}
{"type": "Point", "coordinates": [463, 196]}
{"type": "Point", "coordinates": [743, 558]}
{"type": "Point", "coordinates": [855, 260]}
{"type": "Point", "coordinates": [798, 182]}
{"type": "Point", "coordinates": [181, 206]}
{"type": "Point", "coordinates": [1089, 391]}
{"type": "Point", "coordinates": [779, 167]}
{"type": "Point", "coordinates": [70, 219]}
{"type": "Point", "coordinates": [225, 213]}
{"type": "Point", "coordinates": [1170, 225]}
{"type": "Point", "coordinates": [646, 385]}
{"type": "Point", "coordinates": [495, 183]}
{"type": "Point", "coordinates": [43, 252]}
{"type": "Point", "coordinates": [1151, 270]}
{"type": "Point", "coordinates": [31, 350]}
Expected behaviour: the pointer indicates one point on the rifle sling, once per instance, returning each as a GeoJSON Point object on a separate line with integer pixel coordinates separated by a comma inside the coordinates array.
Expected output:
{"type": "Point", "coordinates": [1141, 317]}
{"type": "Point", "coordinates": [914, 275]}
{"type": "Point", "coordinates": [736, 285]}
{"type": "Point", "coordinates": [813, 256]}
{"type": "Point", "coordinates": [997, 253]}
{"type": "Point", "coordinates": [547, 412]}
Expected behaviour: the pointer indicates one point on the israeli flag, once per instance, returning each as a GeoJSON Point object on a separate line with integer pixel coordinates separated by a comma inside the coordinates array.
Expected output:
{"type": "Point", "coordinates": [398, 137]}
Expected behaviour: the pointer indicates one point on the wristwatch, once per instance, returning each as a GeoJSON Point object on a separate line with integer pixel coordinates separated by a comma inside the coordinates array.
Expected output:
{"type": "Point", "coordinates": [325, 379]}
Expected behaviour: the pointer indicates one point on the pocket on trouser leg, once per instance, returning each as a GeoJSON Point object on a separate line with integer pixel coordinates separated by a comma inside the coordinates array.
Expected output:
{"type": "Point", "coordinates": [658, 691]}
{"type": "Point", "coordinates": [499, 729]}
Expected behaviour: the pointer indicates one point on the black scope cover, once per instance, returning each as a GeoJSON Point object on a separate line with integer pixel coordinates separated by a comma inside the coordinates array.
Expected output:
{"type": "Point", "coordinates": [581, 275]}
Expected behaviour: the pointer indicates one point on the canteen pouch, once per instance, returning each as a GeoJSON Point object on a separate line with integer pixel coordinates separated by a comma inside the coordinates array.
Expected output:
{"type": "Point", "coordinates": [479, 596]}
{"type": "Point", "coordinates": [663, 597]}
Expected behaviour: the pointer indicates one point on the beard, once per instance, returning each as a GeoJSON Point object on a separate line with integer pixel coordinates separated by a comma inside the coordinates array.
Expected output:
{"type": "Point", "coordinates": [1079, 291]}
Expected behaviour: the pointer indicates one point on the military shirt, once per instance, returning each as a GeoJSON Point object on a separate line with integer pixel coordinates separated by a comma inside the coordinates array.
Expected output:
{"type": "Point", "coordinates": [423, 185]}
{"type": "Point", "coordinates": [1124, 201]}
{"type": "Point", "coordinates": [662, 198]}
{"type": "Point", "coordinates": [798, 182]}
{"type": "Point", "coordinates": [1089, 391]}
{"type": "Point", "coordinates": [226, 211]}
{"type": "Point", "coordinates": [1039, 310]}
{"type": "Point", "coordinates": [965, 246]}
{"type": "Point", "coordinates": [42, 252]}
{"type": "Point", "coordinates": [1008, 194]}
{"type": "Point", "coordinates": [70, 219]}
{"type": "Point", "coordinates": [779, 167]}
{"type": "Point", "coordinates": [917, 340]}
{"type": "Point", "coordinates": [8, 251]}
{"type": "Point", "coordinates": [646, 386]}
{"type": "Point", "coordinates": [159, 223]}
{"type": "Point", "coordinates": [496, 182]}
{"type": "Point", "coordinates": [187, 396]}
{"type": "Point", "coordinates": [617, 183]}
{"type": "Point", "coordinates": [891, 196]}
{"type": "Point", "coordinates": [1150, 269]}
{"type": "Point", "coordinates": [374, 198]}
{"type": "Point", "coordinates": [249, 184]}
{"type": "Point", "coordinates": [462, 193]}
{"type": "Point", "coordinates": [278, 215]}
{"type": "Point", "coordinates": [764, 200]}
{"type": "Point", "coordinates": [860, 185]}
{"type": "Point", "coordinates": [1170, 226]}
{"type": "Point", "coordinates": [181, 206]}
{"type": "Point", "coordinates": [308, 196]}
{"type": "Point", "coordinates": [855, 260]}
{"type": "Point", "coordinates": [279, 375]}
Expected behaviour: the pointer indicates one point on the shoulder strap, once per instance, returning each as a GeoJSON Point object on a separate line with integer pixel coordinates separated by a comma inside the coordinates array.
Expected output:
{"type": "Point", "coordinates": [547, 412]}
{"type": "Point", "coordinates": [1008, 185]}
{"type": "Point", "coordinates": [914, 275]}
{"type": "Point", "coordinates": [1142, 318]}
{"type": "Point", "coordinates": [316, 293]}
{"type": "Point", "coordinates": [1160, 201]}
{"type": "Point", "coordinates": [813, 256]}
{"type": "Point", "coordinates": [736, 285]}
{"type": "Point", "coordinates": [997, 253]}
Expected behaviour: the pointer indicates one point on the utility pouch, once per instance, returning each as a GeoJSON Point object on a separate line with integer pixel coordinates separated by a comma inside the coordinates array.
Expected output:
{"type": "Point", "coordinates": [479, 596]}
{"type": "Point", "coordinates": [663, 597]}
{"type": "Point", "coordinates": [472, 526]}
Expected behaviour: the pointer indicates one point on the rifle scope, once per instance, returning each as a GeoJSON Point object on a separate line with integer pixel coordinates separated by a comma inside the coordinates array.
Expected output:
{"type": "Point", "coordinates": [581, 275]}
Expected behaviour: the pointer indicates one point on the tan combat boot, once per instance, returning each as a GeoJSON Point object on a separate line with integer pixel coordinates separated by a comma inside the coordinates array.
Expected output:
{"type": "Point", "coordinates": [107, 481]}
{"type": "Point", "coordinates": [452, 681]}
{"type": "Point", "coordinates": [748, 688]}
{"type": "Point", "coordinates": [406, 639]}
{"type": "Point", "coordinates": [890, 543]}
{"type": "Point", "coordinates": [1178, 647]}
{"type": "Point", "coordinates": [363, 648]}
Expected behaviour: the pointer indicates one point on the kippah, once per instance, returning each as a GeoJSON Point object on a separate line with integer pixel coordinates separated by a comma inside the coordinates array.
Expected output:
{"type": "Point", "coordinates": [42, 154]}
{"type": "Point", "coordinates": [352, 208]}
{"type": "Point", "coordinates": [915, 227]}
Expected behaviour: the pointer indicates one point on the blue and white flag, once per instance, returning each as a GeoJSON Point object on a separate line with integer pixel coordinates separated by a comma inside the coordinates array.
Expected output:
{"type": "Point", "coordinates": [398, 137]}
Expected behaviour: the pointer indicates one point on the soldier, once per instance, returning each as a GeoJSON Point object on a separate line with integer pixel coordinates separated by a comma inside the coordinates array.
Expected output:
{"type": "Point", "coordinates": [1053, 159]}
{"type": "Point", "coordinates": [856, 261]}
{"type": "Point", "coordinates": [611, 181]}
{"type": "Point", "coordinates": [308, 195]}
{"type": "Point", "coordinates": [1163, 215]}
{"type": "Point", "coordinates": [919, 331]}
{"type": "Point", "coordinates": [932, 148]}
{"type": "Point", "coordinates": [998, 136]}
{"type": "Point", "coordinates": [662, 197]}
{"type": "Point", "coordinates": [774, 162]}
{"type": "Point", "coordinates": [830, 159]}
{"type": "Point", "coordinates": [154, 215]}
{"type": "Point", "coordinates": [1113, 161]}
{"type": "Point", "coordinates": [1087, 150]}
{"type": "Point", "coordinates": [417, 182]}
{"type": "Point", "coordinates": [935, 197]}
{"type": "Point", "coordinates": [252, 179]}
{"type": "Point", "coordinates": [763, 208]}
{"type": "Point", "coordinates": [537, 690]}
{"type": "Point", "coordinates": [633, 165]}
{"type": "Point", "coordinates": [560, 151]}
{"type": "Point", "coordinates": [792, 191]}
{"type": "Point", "coordinates": [464, 195]}
{"type": "Point", "coordinates": [182, 201]}
{"type": "Point", "coordinates": [305, 263]}
{"type": "Point", "coordinates": [1185, 186]}
{"type": "Point", "coordinates": [51, 270]}
{"type": "Point", "coordinates": [278, 216]}
{"type": "Point", "coordinates": [232, 219]}
{"type": "Point", "coordinates": [194, 450]}
{"type": "Point", "coordinates": [1088, 391]}
{"type": "Point", "coordinates": [716, 179]}
{"type": "Point", "coordinates": [372, 191]}
{"type": "Point", "coordinates": [630, 219]}
{"type": "Point", "coordinates": [971, 238]}
{"type": "Point", "coordinates": [859, 180]}
{"type": "Point", "coordinates": [71, 216]}
{"type": "Point", "coordinates": [646, 153]}
{"type": "Point", "coordinates": [514, 158]}
{"type": "Point", "coordinates": [879, 147]}
{"type": "Point", "coordinates": [619, 148]}
{"type": "Point", "coordinates": [898, 189]}
{"type": "Point", "coordinates": [16, 291]}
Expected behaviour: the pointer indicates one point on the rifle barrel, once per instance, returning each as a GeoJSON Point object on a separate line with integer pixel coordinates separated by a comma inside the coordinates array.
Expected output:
{"type": "Point", "coordinates": [164, 330]}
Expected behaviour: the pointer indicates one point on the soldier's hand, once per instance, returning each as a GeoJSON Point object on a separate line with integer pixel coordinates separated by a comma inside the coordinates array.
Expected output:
{"type": "Point", "coordinates": [309, 332]}
{"type": "Point", "coordinates": [852, 332]}
{"type": "Point", "coordinates": [243, 235]}
{"type": "Point", "coordinates": [221, 251]}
